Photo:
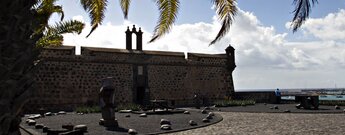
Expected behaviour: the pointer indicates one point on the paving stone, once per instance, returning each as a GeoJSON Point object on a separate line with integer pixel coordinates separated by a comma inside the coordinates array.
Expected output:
{"type": "Point", "coordinates": [203, 111]}
{"type": "Point", "coordinates": [39, 126]}
{"type": "Point", "coordinates": [192, 123]}
{"type": "Point", "coordinates": [205, 120]}
{"type": "Point", "coordinates": [80, 127]}
{"type": "Point", "coordinates": [125, 111]}
{"type": "Point", "coordinates": [132, 132]}
{"type": "Point", "coordinates": [143, 115]}
{"type": "Point", "coordinates": [45, 129]}
{"type": "Point", "coordinates": [31, 118]}
{"type": "Point", "coordinates": [48, 114]}
{"type": "Point", "coordinates": [209, 117]}
{"type": "Point", "coordinates": [298, 106]}
{"type": "Point", "coordinates": [275, 107]}
{"type": "Point", "coordinates": [165, 121]}
{"type": "Point", "coordinates": [61, 112]}
{"type": "Point", "coordinates": [101, 122]}
{"type": "Point", "coordinates": [31, 122]}
{"type": "Point", "coordinates": [68, 126]}
{"type": "Point", "coordinates": [166, 127]}
{"type": "Point", "coordinates": [211, 113]}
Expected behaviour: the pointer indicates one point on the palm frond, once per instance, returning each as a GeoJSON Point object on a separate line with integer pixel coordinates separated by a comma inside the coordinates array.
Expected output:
{"type": "Point", "coordinates": [49, 40]}
{"type": "Point", "coordinates": [301, 12]}
{"type": "Point", "coordinates": [96, 10]}
{"type": "Point", "coordinates": [48, 7]}
{"type": "Point", "coordinates": [58, 9]}
{"type": "Point", "coordinates": [70, 26]}
{"type": "Point", "coordinates": [44, 11]}
{"type": "Point", "coordinates": [53, 35]}
{"type": "Point", "coordinates": [125, 6]}
{"type": "Point", "coordinates": [168, 11]}
{"type": "Point", "coordinates": [226, 10]}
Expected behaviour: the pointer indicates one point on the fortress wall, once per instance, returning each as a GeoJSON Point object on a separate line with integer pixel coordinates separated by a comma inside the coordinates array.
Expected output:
{"type": "Point", "coordinates": [204, 75]}
{"type": "Point", "coordinates": [65, 80]}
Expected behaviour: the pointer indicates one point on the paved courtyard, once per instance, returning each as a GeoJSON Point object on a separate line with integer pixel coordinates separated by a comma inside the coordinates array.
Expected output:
{"type": "Point", "coordinates": [274, 124]}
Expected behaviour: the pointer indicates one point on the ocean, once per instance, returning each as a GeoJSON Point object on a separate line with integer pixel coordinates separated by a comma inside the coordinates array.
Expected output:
{"type": "Point", "coordinates": [322, 97]}
{"type": "Point", "coordinates": [327, 93]}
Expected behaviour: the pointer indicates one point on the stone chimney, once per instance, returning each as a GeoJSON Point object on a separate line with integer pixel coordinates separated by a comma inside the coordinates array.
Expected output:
{"type": "Point", "coordinates": [139, 38]}
{"type": "Point", "coordinates": [128, 39]}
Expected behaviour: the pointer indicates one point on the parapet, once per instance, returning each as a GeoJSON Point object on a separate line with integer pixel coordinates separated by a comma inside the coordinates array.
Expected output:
{"type": "Point", "coordinates": [109, 55]}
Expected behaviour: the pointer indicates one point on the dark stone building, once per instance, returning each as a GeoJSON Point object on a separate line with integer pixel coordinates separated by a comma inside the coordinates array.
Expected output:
{"type": "Point", "coordinates": [65, 80]}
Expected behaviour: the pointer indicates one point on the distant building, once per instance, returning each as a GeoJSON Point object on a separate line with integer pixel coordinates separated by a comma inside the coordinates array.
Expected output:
{"type": "Point", "coordinates": [65, 80]}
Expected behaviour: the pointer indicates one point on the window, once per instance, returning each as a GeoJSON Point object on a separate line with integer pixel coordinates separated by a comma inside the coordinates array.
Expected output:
{"type": "Point", "coordinates": [140, 70]}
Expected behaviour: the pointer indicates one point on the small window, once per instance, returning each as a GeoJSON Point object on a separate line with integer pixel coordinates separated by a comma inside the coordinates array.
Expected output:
{"type": "Point", "coordinates": [140, 70]}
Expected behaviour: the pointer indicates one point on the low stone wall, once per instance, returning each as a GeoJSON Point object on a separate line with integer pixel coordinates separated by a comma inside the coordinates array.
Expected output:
{"type": "Point", "coordinates": [259, 97]}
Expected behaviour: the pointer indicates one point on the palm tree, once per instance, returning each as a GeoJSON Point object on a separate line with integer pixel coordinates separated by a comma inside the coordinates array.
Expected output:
{"type": "Point", "coordinates": [17, 54]}
{"type": "Point", "coordinates": [24, 31]}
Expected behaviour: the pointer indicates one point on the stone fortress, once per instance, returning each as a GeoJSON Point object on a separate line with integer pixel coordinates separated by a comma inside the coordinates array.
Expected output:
{"type": "Point", "coordinates": [65, 80]}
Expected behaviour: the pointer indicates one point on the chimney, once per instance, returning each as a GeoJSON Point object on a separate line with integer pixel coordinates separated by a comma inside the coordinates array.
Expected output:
{"type": "Point", "coordinates": [128, 39]}
{"type": "Point", "coordinates": [139, 35]}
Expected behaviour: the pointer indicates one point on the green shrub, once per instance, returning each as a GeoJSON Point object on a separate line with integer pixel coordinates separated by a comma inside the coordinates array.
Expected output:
{"type": "Point", "coordinates": [226, 103]}
{"type": "Point", "coordinates": [86, 109]}
{"type": "Point", "coordinates": [332, 102]}
{"type": "Point", "coordinates": [129, 106]}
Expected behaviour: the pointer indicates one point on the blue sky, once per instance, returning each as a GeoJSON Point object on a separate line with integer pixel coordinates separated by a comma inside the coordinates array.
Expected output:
{"type": "Point", "coordinates": [145, 13]}
{"type": "Point", "coordinates": [268, 54]}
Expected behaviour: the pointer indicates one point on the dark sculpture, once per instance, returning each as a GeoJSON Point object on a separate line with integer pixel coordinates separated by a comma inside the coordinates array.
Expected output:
{"type": "Point", "coordinates": [107, 102]}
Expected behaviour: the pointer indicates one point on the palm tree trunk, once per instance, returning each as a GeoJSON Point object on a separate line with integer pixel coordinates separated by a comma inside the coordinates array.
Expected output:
{"type": "Point", "coordinates": [17, 56]}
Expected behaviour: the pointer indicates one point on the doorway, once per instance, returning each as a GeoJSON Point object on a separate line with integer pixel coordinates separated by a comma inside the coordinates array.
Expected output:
{"type": "Point", "coordinates": [140, 95]}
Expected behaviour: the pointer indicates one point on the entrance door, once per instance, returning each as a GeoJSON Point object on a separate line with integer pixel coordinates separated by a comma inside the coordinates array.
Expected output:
{"type": "Point", "coordinates": [140, 85]}
{"type": "Point", "coordinates": [140, 95]}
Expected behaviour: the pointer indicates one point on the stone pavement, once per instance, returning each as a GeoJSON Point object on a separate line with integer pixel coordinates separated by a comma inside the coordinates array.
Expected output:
{"type": "Point", "coordinates": [273, 124]}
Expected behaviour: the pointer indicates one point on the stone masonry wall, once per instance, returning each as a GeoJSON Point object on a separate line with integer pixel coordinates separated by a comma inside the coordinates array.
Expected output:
{"type": "Point", "coordinates": [181, 83]}
{"type": "Point", "coordinates": [65, 81]}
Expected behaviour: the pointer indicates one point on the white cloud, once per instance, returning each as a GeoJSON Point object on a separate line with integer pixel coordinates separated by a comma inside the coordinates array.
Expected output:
{"type": "Point", "coordinates": [265, 59]}
{"type": "Point", "coordinates": [331, 27]}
